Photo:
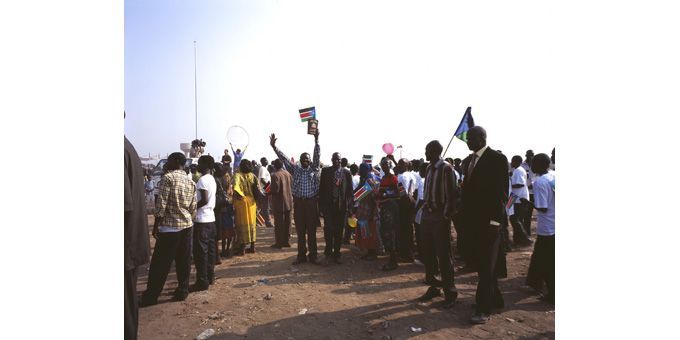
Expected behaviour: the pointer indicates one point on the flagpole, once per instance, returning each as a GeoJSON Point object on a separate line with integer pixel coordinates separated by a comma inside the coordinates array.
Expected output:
{"type": "Point", "coordinates": [195, 94]}
{"type": "Point", "coordinates": [447, 147]}
{"type": "Point", "coordinates": [454, 132]}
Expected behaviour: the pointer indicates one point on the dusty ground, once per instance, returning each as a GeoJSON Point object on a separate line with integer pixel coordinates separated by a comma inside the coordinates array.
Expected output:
{"type": "Point", "coordinates": [354, 300]}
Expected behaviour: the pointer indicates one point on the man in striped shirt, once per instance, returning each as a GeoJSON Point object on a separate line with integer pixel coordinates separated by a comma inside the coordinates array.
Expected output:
{"type": "Point", "coordinates": [172, 230]}
{"type": "Point", "coordinates": [440, 198]}
{"type": "Point", "coordinates": [305, 198]}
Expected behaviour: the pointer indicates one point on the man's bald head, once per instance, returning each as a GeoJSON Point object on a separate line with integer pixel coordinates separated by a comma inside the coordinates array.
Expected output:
{"type": "Point", "coordinates": [476, 138]}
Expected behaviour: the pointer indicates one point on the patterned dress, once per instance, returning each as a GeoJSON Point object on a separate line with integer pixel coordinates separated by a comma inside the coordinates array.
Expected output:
{"type": "Point", "coordinates": [366, 234]}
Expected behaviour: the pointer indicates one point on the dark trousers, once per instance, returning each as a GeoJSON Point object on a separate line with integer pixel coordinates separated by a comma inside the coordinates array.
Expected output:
{"type": "Point", "coordinates": [542, 265]}
{"type": "Point", "coordinates": [263, 207]}
{"type": "Point", "coordinates": [526, 217]}
{"type": "Point", "coordinates": [204, 252]}
{"type": "Point", "coordinates": [464, 240]}
{"type": "Point", "coordinates": [306, 221]}
{"type": "Point", "coordinates": [519, 234]}
{"type": "Point", "coordinates": [435, 234]}
{"type": "Point", "coordinates": [170, 247]}
{"type": "Point", "coordinates": [131, 304]}
{"type": "Point", "coordinates": [416, 229]}
{"type": "Point", "coordinates": [282, 227]}
{"type": "Point", "coordinates": [405, 230]}
{"type": "Point", "coordinates": [487, 248]}
{"type": "Point", "coordinates": [333, 224]}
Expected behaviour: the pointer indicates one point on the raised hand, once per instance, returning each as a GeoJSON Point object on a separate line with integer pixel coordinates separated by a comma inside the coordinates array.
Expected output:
{"type": "Point", "coordinates": [316, 135]}
{"type": "Point", "coordinates": [272, 140]}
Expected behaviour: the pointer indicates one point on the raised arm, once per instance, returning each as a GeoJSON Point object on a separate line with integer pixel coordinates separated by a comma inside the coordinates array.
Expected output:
{"type": "Point", "coordinates": [286, 162]}
{"type": "Point", "coordinates": [317, 151]}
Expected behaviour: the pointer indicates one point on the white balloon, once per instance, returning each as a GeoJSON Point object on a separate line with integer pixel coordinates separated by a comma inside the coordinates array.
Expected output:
{"type": "Point", "coordinates": [238, 136]}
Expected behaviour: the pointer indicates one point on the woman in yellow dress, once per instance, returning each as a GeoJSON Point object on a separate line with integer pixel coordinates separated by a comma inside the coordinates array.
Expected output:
{"type": "Point", "coordinates": [245, 208]}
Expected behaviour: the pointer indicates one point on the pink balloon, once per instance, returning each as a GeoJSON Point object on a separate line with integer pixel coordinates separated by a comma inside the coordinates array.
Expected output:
{"type": "Point", "coordinates": [388, 148]}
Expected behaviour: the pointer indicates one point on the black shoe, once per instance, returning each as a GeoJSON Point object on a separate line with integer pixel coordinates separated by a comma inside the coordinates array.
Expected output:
{"type": "Point", "coordinates": [449, 299]}
{"type": "Point", "coordinates": [180, 296]}
{"type": "Point", "coordinates": [197, 287]}
{"type": "Point", "coordinates": [299, 260]}
{"type": "Point", "coordinates": [431, 293]}
{"type": "Point", "coordinates": [479, 318]}
{"type": "Point", "coordinates": [145, 302]}
{"type": "Point", "coordinates": [433, 282]}
{"type": "Point", "coordinates": [276, 246]}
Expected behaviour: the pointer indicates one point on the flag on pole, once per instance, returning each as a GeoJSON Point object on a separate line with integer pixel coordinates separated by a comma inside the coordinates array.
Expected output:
{"type": "Point", "coordinates": [307, 114]}
{"type": "Point", "coordinates": [511, 200]}
{"type": "Point", "coordinates": [465, 124]}
{"type": "Point", "coordinates": [363, 191]}
{"type": "Point", "coordinates": [260, 219]}
{"type": "Point", "coordinates": [368, 159]}
{"type": "Point", "coordinates": [268, 188]}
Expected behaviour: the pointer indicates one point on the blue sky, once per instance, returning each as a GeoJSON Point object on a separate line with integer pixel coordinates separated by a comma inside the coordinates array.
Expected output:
{"type": "Point", "coordinates": [376, 71]}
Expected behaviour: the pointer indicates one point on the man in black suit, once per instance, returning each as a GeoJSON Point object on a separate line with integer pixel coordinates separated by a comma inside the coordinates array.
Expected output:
{"type": "Point", "coordinates": [485, 191]}
{"type": "Point", "coordinates": [335, 201]}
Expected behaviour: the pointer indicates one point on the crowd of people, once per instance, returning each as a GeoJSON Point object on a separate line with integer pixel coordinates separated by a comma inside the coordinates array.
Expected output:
{"type": "Point", "coordinates": [401, 209]}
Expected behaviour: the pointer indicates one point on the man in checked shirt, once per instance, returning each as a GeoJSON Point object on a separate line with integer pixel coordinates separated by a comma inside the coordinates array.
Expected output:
{"type": "Point", "coordinates": [172, 230]}
{"type": "Point", "coordinates": [305, 199]}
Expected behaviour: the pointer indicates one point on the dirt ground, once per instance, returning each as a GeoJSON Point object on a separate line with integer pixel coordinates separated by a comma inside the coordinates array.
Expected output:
{"type": "Point", "coordinates": [353, 300]}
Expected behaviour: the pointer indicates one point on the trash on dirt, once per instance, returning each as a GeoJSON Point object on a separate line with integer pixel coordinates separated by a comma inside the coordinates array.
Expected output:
{"type": "Point", "coordinates": [416, 329]}
{"type": "Point", "coordinates": [268, 296]}
{"type": "Point", "coordinates": [302, 311]}
{"type": "Point", "coordinates": [263, 281]}
{"type": "Point", "coordinates": [511, 320]}
{"type": "Point", "coordinates": [206, 334]}
{"type": "Point", "coordinates": [385, 324]}
{"type": "Point", "coordinates": [215, 316]}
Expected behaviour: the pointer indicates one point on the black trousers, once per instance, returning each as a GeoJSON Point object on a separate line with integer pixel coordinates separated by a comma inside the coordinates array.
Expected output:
{"type": "Point", "coordinates": [488, 240]}
{"type": "Point", "coordinates": [519, 234]}
{"type": "Point", "coordinates": [526, 217]}
{"type": "Point", "coordinates": [282, 227]}
{"type": "Point", "coordinates": [464, 240]}
{"type": "Point", "coordinates": [204, 252]}
{"type": "Point", "coordinates": [334, 223]}
{"type": "Point", "coordinates": [131, 304]}
{"type": "Point", "coordinates": [542, 265]}
{"type": "Point", "coordinates": [435, 235]}
{"type": "Point", "coordinates": [417, 231]}
{"type": "Point", "coordinates": [170, 247]}
{"type": "Point", "coordinates": [405, 231]}
{"type": "Point", "coordinates": [306, 214]}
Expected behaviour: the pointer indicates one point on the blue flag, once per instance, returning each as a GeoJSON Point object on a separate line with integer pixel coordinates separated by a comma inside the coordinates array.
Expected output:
{"type": "Point", "coordinates": [465, 124]}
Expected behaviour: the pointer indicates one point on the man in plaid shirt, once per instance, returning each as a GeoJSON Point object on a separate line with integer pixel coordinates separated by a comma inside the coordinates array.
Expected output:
{"type": "Point", "coordinates": [305, 199]}
{"type": "Point", "coordinates": [172, 230]}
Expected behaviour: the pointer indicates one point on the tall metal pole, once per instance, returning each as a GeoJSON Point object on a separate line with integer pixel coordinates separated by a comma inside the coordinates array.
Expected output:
{"type": "Point", "coordinates": [195, 94]}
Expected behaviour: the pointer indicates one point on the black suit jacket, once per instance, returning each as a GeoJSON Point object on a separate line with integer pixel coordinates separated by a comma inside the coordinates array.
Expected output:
{"type": "Point", "coordinates": [136, 231]}
{"type": "Point", "coordinates": [326, 184]}
{"type": "Point", "coordinates": [485, 190]}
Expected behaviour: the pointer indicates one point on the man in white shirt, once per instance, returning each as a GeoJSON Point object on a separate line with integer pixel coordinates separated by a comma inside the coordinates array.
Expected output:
{"type": "Point", "coordinates": [204, 226]}
{"type": "Point", "coordinates": [354, 170]}
{"type": "Point", "coordinates": [518, 182]}
{"type": "Point", "coordinates": [526, 215]}
{"type": "Point", "coordinates": [542, 266]}
{"type": "Point", "coordinates": [265, 179]}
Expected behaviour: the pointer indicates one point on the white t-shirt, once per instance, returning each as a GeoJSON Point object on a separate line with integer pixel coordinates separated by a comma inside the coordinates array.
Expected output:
{"type": "Point", "coordinates": [421, 189]}
{"type": "Point", "coordinates": [519, 176]}
{"type": "Point", "coordinates": [206, 214]}
{"type": "Point", "coordinates": [544, 197]}
{"type": "Point", "coordinates": [355, 182]}
{"type": "Point", "coordinates": [511, 210]}
{"type": "Point", "coordinates": [264, 175]}
{"type": "Point", "coordinates": [530, 175]}
{"type": "Point", "coordinates": [408, 181]}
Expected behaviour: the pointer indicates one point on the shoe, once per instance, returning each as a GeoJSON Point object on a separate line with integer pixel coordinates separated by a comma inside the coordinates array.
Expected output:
{"type": "Point", "coordinates": [250, 251]}
{"type": "Point", "coordinates": [479, 318]}
{"type": "Point", "coordinates": [145, 302]}
{"type": "Point", "coordinates": [431, 293]}
{"type": "Point", "coordinates": [197, 287]}
{"type": "Point", "coordinates": [275, 246]}
{"type": "Point", "coordinates": [449, 299]}
{"type": "Point", "coordinates": [299, 260]}
{"type": "Point", "coordinates": [390, 266]}
{"type": "Point", "coordinates": [180, 296]}
{"type": "Point", "coordinates": [433, 282]}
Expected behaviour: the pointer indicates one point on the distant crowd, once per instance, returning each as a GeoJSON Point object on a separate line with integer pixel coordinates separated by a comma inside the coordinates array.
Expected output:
{"type": "Point", "coordinates": [402, 210]}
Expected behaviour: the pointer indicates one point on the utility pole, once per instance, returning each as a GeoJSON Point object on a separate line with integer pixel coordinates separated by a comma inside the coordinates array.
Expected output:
{"type": "Point", "coordinates": [195, 94]}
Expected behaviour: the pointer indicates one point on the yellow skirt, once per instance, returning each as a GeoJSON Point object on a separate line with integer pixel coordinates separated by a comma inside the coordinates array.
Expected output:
{"type": "Point", "coordinates": [246, 217]}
